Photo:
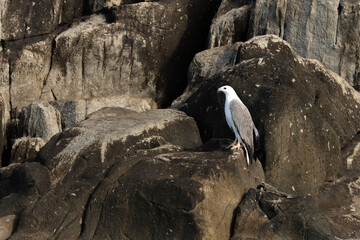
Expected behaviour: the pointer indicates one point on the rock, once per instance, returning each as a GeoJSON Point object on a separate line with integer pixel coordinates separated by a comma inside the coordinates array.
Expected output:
{"type": "Point", "coordinates": [5, 179]}
{"type": "Point", "coordinates": [4, 120]}
{"type": "Point", "coordinates": [25, 148]}
{"type": "Point", "coordinates": [145, 59]}
{"type": "Point", "coordinates": [322, 30]}
{"type": "Point", "coordinates": [123, 101]}
{"type": "Point", "coordinates": [250, 221]}
{"type": "Point", "coordinates": [6, 226]}
{"type": "Point", "coordinates": [339, 201]}
{"type": "Point", "coordinates": [293, 101]}
{"type": "Point", "coordinates": [36, 17]}
{"type": "Point", "coordinates": [22, 185]}
{"type": "Point", "coordinates": [287, 217]}
{"type": "Point", "coordinates": [30, 67]}
{"type": "Point", "coordinates": [204, 66]}
{"type": "Point", "coordinates": [30, 175]}
{"type": "Point", "coordinates": [73, 112]}
{"type": "Point", "coordinates": [130, 170]}
{"type": "Point", "coordinates": [40, 120]}
{"type": "Point", "coordinates": [114, 127]}
{"type": "Point", "coordinates": [230, 27]}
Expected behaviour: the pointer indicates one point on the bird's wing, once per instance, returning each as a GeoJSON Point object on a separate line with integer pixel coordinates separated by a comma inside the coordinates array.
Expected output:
{"type": "Point", "coordinates": [243, 123]}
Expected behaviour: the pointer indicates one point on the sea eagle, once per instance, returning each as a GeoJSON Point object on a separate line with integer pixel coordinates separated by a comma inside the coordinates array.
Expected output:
{"type": "Point", "coordinates": [240, 122]}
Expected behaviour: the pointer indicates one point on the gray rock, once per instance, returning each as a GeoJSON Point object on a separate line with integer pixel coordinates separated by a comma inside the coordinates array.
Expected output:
{"type": "Point", "coordinates": [145, 59]}
{"type": "Point", "coordinates": [25, 148]}
{"type": "Point", "coordinates": [295, 103]}
{"type": "Point", "coordinates": [321, 29]}
{"type": "Point", "coordinates": [30, 67]}
{"type": "Point", "coordinates": [35, 18]}
{"type": "Point", "coordinates": [40, 120]}
{"type": "Point", "coordinates": [72, 112]}
{"type": "Point", "coordinates": [230, 27]}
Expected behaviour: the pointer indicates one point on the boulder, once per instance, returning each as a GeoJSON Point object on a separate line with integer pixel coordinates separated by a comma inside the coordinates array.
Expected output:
{"type": "Point", "coordinates": [339, 201]}
{"type": "Point", "coordinates": [297, 105]}
{"type": "Point", "coordinates": [277, 215]}
{"type": "Point", "coordinates": [321, 29]}
{"type": "Point", "coordinates": [30, 65]}
{"type": "Point", "coordinates": [143, 57]}
{"type": "Point", "coordinates": [6, 226]}
{"type": "Point", "coordinates": [4, 120]}
{"type": "Point", "coordinates": [25, 148]}
{"type": "Point", "coordinates": [40, 120]}
{"type": "Point", "coordinates": [35, 18]}
{"type": "Point", "coordinates": [21, 186]}
{"type": "Point", "coordinates": [230, 27]}
{"type": "Point", "coordinates": [73, 112]}
{"type": "Point", "coordinates": [122, 174]}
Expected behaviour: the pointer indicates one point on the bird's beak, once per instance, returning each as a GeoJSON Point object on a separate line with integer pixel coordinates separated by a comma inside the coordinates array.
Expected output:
{"type": "Point", "coordinates": [218, 90]}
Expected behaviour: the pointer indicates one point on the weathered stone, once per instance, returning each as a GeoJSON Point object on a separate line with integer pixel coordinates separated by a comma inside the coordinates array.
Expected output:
{"type": "Point", "coordinates": [6, 226]}
{"type": "Point", "coordinates": [230, 27]}
{"type": "Point", "coordinates": [72, 112]}
{"type": "Point", "coordinates": [294, 102]}
{"type": "Point", "coordinates": [250, 221]}
{"type": "Point", "coordinates": [35, 18]}
{"type": "Point", "coordinates": [339, 201]}
{"type": "Point", "coordinates": [204, 66]}
{"type": "Point", "coordinates": [30, 67]}
{"type": "Point", "coordinates": [129, 170]}
{"type": "Point", "coordinates": [321, 29]}
{"type": "Point", "coordinates": [22, 184]}
{"type": "Point", "coordinates": [40, 120]}
{"type": "Point", "coordinates": [25, 148]}
{"type": "Point", "coordinates": [142, 57]}
{"type": "Point", "coordinates": [123, 101]}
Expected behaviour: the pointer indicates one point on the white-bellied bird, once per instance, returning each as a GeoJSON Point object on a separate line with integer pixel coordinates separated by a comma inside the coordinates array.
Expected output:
{"type": "Point", "coordinates": [240, 122]}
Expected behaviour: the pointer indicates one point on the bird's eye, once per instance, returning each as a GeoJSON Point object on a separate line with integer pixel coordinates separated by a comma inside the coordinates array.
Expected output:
{"type": "Point", "coordinates": [225, 88]}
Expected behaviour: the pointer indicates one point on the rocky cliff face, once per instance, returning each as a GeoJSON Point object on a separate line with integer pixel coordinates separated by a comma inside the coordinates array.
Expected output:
{"type": "Point", "coordinates": [89, 152]}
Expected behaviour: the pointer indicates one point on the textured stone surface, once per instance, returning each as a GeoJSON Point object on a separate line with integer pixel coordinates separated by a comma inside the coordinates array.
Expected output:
{"type": "Point", "coordinates": [294, 102]}
{"type": "Point", "coordinates": [40, 120]}
{"type": "Point", "coordinates": [6, 226]}
{"type": "Point", "coordinates": [25, 148]}
{"type": "Point", "coordinates": [230, 27]}
{"type": "Point", "coordinates": [30, 67]}
{"type": "Point", "coordinates": [36, 17]}
{"type": "Point", "coordinates": [72, 112]}
{"type": "Point", "coordinates": [286, 217]}
{"type": "Point", "coordinates": [21, 186]}
{"type": "Point", "coordinates": [324, 30]}
{"type": "Point", "coordinates": [129, 169]}
{"type": "Point", "coordinates": [143, 57]}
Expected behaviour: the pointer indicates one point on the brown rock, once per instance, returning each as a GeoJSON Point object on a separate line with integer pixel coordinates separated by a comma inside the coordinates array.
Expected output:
{"type": "Point", "coordinates": [122, 173]}
{"type": "Point", "coordinates": [40, 120]}
{"type": "Point", "coordinates": [297, 105]}
{"type": "Point", "coordinates": [142, 57]}
{"type": "Point", "coordinates": [6, 226]}
{"type": "Point", "coordinates": [25, 148]}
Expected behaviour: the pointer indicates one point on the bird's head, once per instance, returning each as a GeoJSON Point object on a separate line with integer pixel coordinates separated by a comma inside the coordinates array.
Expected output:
{"type": "Point", "coordinates": [228, 91]}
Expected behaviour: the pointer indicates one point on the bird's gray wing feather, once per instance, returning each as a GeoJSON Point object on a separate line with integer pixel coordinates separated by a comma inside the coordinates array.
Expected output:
{"type": "Point", "coordinates": [243, 122]}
